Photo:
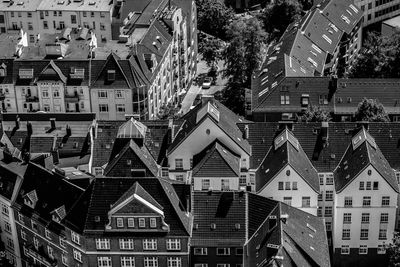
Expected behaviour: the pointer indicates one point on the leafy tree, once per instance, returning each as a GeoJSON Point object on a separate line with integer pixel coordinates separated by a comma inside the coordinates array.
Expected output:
{"type": "Point", "coordinates": [278, 15]}
{"type": "Point", "coordinates": [210, 48]}
{"type": "Point", "coordinates": [168, 112]}
{"type": "Point", "coordinates": [371, 110]}
{"type": "Point", "coordinates": [315, 114]}
{"type": "Point", "coordinates": [393, 251]}
{"type": "Point", "coordinates": [213, 17]}
{"type": "Point", "coordinates": [233, 96]}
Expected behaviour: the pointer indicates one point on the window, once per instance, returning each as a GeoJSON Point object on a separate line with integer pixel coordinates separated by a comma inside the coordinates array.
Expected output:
{"type": "Point", "coordinates": [223, 251]}
{"type": "Point", "coordinates": [149, 244]}
{"type": "Point", "coordinates": [73, 19]}
{"type": "Point", "coordinates": [382, 234]}
{"type": "Point", "coordinates": [56, 93]}
{"type": "Point", "coordinates": [329, 195]}
{"type": "Point", "coordinates": [20, 218]}
{"type": "Point", "coordinates": [84, 14]}
{"type": "Point", "coordinates": [328, 226]}
{"type": "Point", "coordinates": [384, 217]}
{"type": "Point", "coordinates": [329, 179]}
{"type": "Point", "coordinates": [365, 218]}
{"type": "Point", "coordinates": [12, 14]}
{"type": "Point", "coordinates": [294, 186]}
{"type": "Point", "coordinates": [345, 249]}
{"type": "Point", "coordinates": [368, 187]}
{"type": "Point", "coordinates": [346, 234]}
{"type": "Point", "coordinates": [200, 251]}
{"type": "Point", "coordinates": [102, 27]}
{"type": "Point", "coordinates": [7, 227]}
{"type": "Point", "coordinates": [126, 243]}
{"type": "Point", "coordinates": [102, 243]}
{"type": "Point", "coordinates": [328, 211]}
{"type": "Point", "coordinates": [131, 222]}
{"type": "Point", "coordinates": [47, 234]}
{"type": "Point", "coordinates": [366, 201]}
{"type": "Point", "coordinates": [363, 249]}
{"type": "Point", "coordinates": [239, 251]}
{"type": "Point", "coordinates": [119, 94]}
{"type": "Point", "coordinates": [75, 238]}
{"type": "Point", "coordinates": [287, 200]}
{"type": "Point", "coordinates": [103, 107]}
{"type": "Point", "coordinates": [305, 202]}
{"type": "Point", "coordinates": [153, 222]}
{"type": "Point", "coordinates": [62, 242]}
{"type": "Point", "coordinates": [385, 201]}
{"type": "Point", "coordinates": [4, 209]}
{"type": "Point", "coordinates": [224, 184]}
{"type": "Point", "coordinates": [102, 94]}
{"type": "Point", "coordinates": [92, 14]}
{"type": "Point", "coordinates": [285, 100]}
{"type": "Point", "coordinates": [19, 14]}
{"type": "Point", "coordinates": [179, 177]}
{"type": "Point", "coordinates": [30, 26]}
{"type": "Point", "coordinates": [321, 179]}
{"type": "Point", "coordinates": [10, 243]}
{"type": "Point", "coordinates": [34, 226]}
{"type": "Point", "coordinates": [381, 249]}
{"type": "Point", "coordinates": [174, 262]}
{"type": "Point", "coordinates": [179, 164]}
{"type": "Point", "coordinates": [361, 185]}
{"type": "Point", "coordinates": [127, 261]}
{"type": "Point", "coordinates": [120, 222]}
{"type": "Point", "coordinates": [50, 252]}
{"type": "Point", "coordinates": [64, 259]}
{"type": "Point", "coordinates": [102, 15]}
{"type": "Point", "coordinates": [173, 244]}
{"type": "Point", "coordinates": [347, 218]}
{"type": "Point", "coordinates": [77, 255]}
{"type": "Point", "coordinates": [23, 235]}
{"type": "Point", "coordinates": [376, 186]}
{"type": "Point", "coordinates": [242, 180]}
{"type": "Point", "coordinates": [142, 222]}
{"type": "Point", "coordinates": [364, 234]}
{"type": "Point", "coordinates": [320, 197]}
{"type": "Point", "coordinates": [104, 261]}
{"type": "Point", "coordinates": [36, 243]}
{"type": "Point", "coordinates": [45, 25]}
{"type": "Point", "coordinates": [348, 201]}
{"type": "Point", "coordinates": [319, 211]}
{"type": "Point", "coordinates": [323, 99]}
{"type": "Point", "coordinates": [287, 185]}
{"type": "Point", "coordinates": [205, 184]}
{"type": "Point", "coordinates": [150, 262]}
{"type": "Point", "coordinates": [280, 185]}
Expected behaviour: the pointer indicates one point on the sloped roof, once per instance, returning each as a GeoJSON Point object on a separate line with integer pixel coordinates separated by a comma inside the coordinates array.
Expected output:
{"type": "Point", "coordinates": [286, 154]}
{"type": "Point", "coordinates": [132, 129]}
{"type": "Point", "coordinates": [216, 160]}
{"type": "Point", "coordinates": [99, 73]}
{"type": "Point", "coordinates": [52, 72]}
{"type": "Point", "coordinates": [357, 158]}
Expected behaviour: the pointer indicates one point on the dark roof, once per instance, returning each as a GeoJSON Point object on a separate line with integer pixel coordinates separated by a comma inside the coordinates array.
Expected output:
{"type": "Point", "coordinates": [225, 210]}
{"type": "Point", "coordinates": [216, 160]}
{"type": "Point", "coordinates": [296, 237]}
{"type": "Point", "coordinates": [107, 191]}
{"type": "Point", "coordinates": [227, 122]}
{"type": "Point", "coordinates": [288, 153]}
{"type": "Point", "coordinates": [8, 64]}
{"type": "Point", "coordinates": [259, 207]}
{"type": "Point", "coordinates": [360, 156]}
{"type": "Point", "coordinates": [9, 173]}
{"type": "Point", "coordinates": [48, 116]}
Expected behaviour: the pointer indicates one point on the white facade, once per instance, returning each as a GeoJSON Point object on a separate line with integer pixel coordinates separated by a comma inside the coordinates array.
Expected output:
{"type": "Point", "coordinates": [216, 183]}
{"type": "Point", "coordinates": [111, 104]}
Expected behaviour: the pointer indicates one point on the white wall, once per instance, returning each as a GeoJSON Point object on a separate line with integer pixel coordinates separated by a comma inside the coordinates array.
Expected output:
{"type": "Point", "coordinates": [215, 183]}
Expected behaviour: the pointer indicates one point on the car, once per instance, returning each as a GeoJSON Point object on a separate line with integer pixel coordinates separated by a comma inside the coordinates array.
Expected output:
{"type": "Point", "coordinates": [207, 83]}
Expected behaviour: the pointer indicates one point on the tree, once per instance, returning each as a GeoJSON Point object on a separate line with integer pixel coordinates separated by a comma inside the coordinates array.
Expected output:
{"type": "Point", "coordinates": [315, 114]}
{"type": "Point", "coordinates": [213, 17]}
{"type": "Point", "coordinates": [168, 111]}
{"type": "Point", "coordinates": [242, 57]}
{"type": "Point", "coordinates": [371, 110]}
{"type": "Point", "coordinates": [278, 15]}
{"type": "Point", "coordinates": [210, 48]}
{"type": "Point", "coordinates": [393, 251]}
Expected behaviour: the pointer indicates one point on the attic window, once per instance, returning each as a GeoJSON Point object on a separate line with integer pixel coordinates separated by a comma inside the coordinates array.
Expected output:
{"type": "Point", "coordinates": [159, 39]}
{"type": "Point", "coordinates": [155, 45]}
{"type": "Point", "coordinates": [77, 73]}
{"type": "Point", "coordinates": [237, 226]}
{"type": "Point", "coordinates": [3, 70]}
{"type": "Point", "coordinates": [31, 199]}
{"type": "Point", "coordinates": [25, 73]}
{"type": "Point", "coordinates": [110, 75]}
{"type": "Point", "coordinates": [311, 228]}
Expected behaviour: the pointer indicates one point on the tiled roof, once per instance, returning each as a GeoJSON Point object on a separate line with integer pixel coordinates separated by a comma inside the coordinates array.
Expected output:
{"type": "Point", "coordinates": [296, 237]}
{"type": "Point", "coordinates": [52, 72]}
{"type": "Point", "coordinates": [9, 172]}
{"type": "Point", "coordinates": [216, 160]}
{"type": "Point", "coordinates": [107, 191]}
{"type": "Point", "coordinates": [259, 208]}
{"type": "Point", "coordinates": [290, 153]}
{"type": "Point", "coordinates": [357, 158]}
{"type": "Point", "coordinates": [227, 122]}
{"type": "Point", "coordinates": [224, 209]}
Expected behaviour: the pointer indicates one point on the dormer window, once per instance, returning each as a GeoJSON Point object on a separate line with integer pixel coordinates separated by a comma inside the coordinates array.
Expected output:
{"type": "Point", "coordinates": [142, 222]}
{"type": "Point", "coordinates": [25, 73]}
{"type": "Point", "coordinates": [3, 70]}
{"type": "Point", "coordinates": [31, 199]}
{"type": "Point", "coordinates": [305, 100]}
{"type": "Point", "coordinates": [120, 222]}
{"type": "Point", "coordinates": [77, 73]}
{"type": "Point", "coordinates": [131, 222]}
{"type": "Point", "coordinates": [153, 222]}
{"type": "Point", "coordinates": [59, 214]}
{"type": "Point", "coordinates": [110, 75]}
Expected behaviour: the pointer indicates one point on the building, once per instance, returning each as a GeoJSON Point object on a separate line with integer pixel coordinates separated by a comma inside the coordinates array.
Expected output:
{"type": "Point", "coordinates": [390, 26]}
{"type": "Point", "coordinates": [378, 11]}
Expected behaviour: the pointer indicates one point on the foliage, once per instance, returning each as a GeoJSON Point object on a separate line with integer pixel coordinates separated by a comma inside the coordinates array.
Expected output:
{"type": "Point", "coordinates": [233, 97]}
{"type": "Point", "coordinates": [213, 17]}
{"type": "Point", "coordinates": [380, 58]}
{"type": "Point", "coordinates": [393, 251]}
{"type": "Point", "coordinates": [168, 111]}
{"type": "Point", "coordinates": [315, 114]}
{"type": "Point", "coordinates": [278, 15]}
{"type": "Point", "coordinates": [210, 48]}
{"type": "Point", "coordinates": [371, 110]}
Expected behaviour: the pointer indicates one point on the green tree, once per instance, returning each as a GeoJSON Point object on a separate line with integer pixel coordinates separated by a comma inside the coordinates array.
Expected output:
{"type": "Point", "coordinates": [278, 15]}
{"type": "Point", "coordinates": [168, 112]}
{"type": "Point", "coordinates": [233, 97]}
{"type": "Point", "coordinates": [210, 48]}
{"type": "Point", "coordinates": [213, 17]}
{"type": "Point", "coordinates": [371, 110]}
{"type": "Point", "coordinates": [315, 114]}
{"type": "Point", "coordinates": [393, 251]}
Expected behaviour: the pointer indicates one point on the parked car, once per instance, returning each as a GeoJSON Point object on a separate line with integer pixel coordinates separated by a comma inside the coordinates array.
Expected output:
{"type": "Point", "coordinates": [207, 83]}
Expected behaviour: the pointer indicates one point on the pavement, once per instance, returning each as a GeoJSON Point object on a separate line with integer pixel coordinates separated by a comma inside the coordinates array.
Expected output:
{"type": "Point", "coordinates": [196, 89]}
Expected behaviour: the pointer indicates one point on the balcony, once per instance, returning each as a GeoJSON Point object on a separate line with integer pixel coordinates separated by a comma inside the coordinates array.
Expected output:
{"type": "Point", "coordinates": [40, 256]}
{"type": "Point", "coordinates": [30, 99]}
{"type": "Point", "coordinates": [72, 98]}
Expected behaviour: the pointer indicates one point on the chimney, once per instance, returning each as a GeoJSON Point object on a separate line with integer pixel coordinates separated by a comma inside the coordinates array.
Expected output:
{"type": "Point", "coordinates": [16, 127]}
{"type": "Point", "coordinates": [207, 98]}
{"type": "Point", "coordinates": [69, 132]}
{"type": "Point", "coordinates": [52, 125]}
{"type": "Point", "coordinates": [324, 131]}
{"type": "Point", "coordinates": [26, 156]}
{"type": "Point", "coordinates": [56, 157]}
{"type": "Point", "coordinates": [246, 132]}
{"type": "Point", "coordinates": [171, 127]}
{"type": "Point", "coordinates": [29, 129]}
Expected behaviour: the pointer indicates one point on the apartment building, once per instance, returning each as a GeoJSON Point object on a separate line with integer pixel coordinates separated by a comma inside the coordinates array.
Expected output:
{"type": "Point", "coordinates": [378, 11]}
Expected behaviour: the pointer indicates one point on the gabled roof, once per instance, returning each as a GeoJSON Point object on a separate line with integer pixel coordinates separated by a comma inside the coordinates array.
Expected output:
{"type": "Point", "coordinates": [216, 160]}
{"type": "Point", "coordinates": [141, 152]}
{"type": "Point", "coordinates": [107, 191]}
{"type": "Point", "coordinates": [289, 237]}
{"type": "Point", "coordinates": [227, 121]}
{"type": "Point", "coordinates": [137, 192]}
{"type": "Point", "coordinates": [362, 152]}
{"type": "Point", "coordinates": [52, 72]}
{"type": "Point", "coordinates": [111, 63]}
{"type": "Point", "coordinates": [286, 151]}
{"type": "Point", "coordinates": [132, 129]}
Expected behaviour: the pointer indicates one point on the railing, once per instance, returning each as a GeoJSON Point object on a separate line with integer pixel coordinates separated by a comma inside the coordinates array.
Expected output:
{"type": "Point", "coordinates": [29, 98]}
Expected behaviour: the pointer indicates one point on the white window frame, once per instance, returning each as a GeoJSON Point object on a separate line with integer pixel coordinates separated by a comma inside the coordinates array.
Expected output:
{"type": "Point", "coordinates": [75, 238]}
{"type": "Point", "coordinates": [150, 262]}
{"type": "Point", "coordinates": [126, 244]}
{"type": "Point", "coordinates": [120, 222]}
{"type": "Point", "coordinates": [77, 255]}
{"type": "Point", "coordinates": [200, 251]}
{"type": "Point", "coordinates": [153, 222]}
{"type": "Point", "coordinates": [150, 244]}
{"type": "Point", "coordinates": [345, 250]}
{"type": "Point", "coordinates": [127, 261]}
{"type": "Point", "coordinates": [102, 243]}
{"type": "Point", "coordinates": [226, 252]}
{"type": "Point", "coordinates": [174, 262]}
{"type": "Point", "coordinates": [363, 249]}
{"type": "Point", "coordinates": [131, 222]}
{"type": "Point", "coordinates": [104, 261]}
{"type": "Point", "coordinates": [173, 244]}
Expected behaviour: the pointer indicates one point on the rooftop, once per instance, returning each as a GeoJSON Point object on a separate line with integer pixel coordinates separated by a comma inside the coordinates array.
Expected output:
{"type": "Point", "coordinates": [74, 5]}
